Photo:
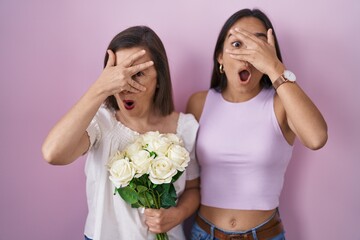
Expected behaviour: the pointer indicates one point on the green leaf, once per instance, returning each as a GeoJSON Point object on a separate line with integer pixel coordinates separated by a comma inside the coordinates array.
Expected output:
{"type": "Point", "coordinates": [144, 178]}
{"type": "Point", "coordinates": [153, 154]}
{"type": "Point", "coordinates": [176, 177]}
{"type": "Point", "coordinates": [167, 201]}
{"type": "Point", "coordinates": [145, 199]}
{"type": "Point", "coordinates": [142, 200]}
{"type": "Point", "coordinates": [132, 184]}
{"type": "Point", "coordinates": [141, 188]}
{"type": "Point", "coordinates": [128, 194]}
{"type": "Point", "coordinates": [150, 199]}
{"type": "Point", "coordinates": [136, 205]}
{"type": "Point", "coordinates": [163, 188]}
{"type": "Point", "coordinates": [172, 191]}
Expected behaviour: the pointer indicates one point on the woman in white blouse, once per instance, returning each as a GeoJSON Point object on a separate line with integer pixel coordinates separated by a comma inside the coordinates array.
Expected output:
{"type": "Point", "coordinates": [133, 95]}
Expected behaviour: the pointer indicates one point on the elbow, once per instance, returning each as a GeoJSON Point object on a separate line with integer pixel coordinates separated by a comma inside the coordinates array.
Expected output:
{"type": "Point", "coordinates": [318, 141]}
{"type": "Point", "coordinates": [50, 156]}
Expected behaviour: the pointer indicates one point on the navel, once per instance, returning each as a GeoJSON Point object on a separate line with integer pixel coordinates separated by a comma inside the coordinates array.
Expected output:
{"type": "Point", "coordinates": [233, 223]}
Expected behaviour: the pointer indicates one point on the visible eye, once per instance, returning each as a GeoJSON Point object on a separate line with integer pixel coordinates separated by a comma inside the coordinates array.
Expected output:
{"type": "Point", "coordinates": [236, 44]}
{"type": "Point", "coordinates": [137, 75]}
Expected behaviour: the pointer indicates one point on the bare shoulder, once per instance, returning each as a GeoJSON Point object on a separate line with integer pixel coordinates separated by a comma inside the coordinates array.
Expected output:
{"type": "Point", "coordinates": [196, 103]}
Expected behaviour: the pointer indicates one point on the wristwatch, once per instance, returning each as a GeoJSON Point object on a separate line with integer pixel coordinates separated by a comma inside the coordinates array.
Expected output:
{"type": "Point", "coordinates": [287, 76]}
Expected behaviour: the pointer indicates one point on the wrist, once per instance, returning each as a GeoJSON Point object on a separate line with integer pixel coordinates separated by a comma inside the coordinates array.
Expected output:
{"type": "Point", "coordinates": [96, 92]}
{"type": "Point", "coordinates": [286, 76]}
{"type": "Point", "coordinates": [277, 71]}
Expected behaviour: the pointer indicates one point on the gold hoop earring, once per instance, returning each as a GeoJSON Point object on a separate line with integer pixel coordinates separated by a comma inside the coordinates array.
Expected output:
{"type": "Point", "coordinates": [221, 68]}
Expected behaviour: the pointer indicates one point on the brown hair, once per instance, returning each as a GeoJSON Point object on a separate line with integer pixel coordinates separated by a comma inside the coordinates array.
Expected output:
{"type": "Point", "coordinates": [142, 36]}
{"type": "Point", "coordinates": [218, 80]}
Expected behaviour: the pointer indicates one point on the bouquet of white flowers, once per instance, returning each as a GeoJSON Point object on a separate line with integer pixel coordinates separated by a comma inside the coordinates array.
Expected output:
{"type": "Point", "coordinates": [144, 172]}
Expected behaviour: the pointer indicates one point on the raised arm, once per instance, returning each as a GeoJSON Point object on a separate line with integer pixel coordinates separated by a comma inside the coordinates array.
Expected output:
{"type": "Point", "coordinates": [301, 115]}
{"type": "Point", "coordinates": [68, 139]}
{"type": "Point", "coordinates": [296, 113]}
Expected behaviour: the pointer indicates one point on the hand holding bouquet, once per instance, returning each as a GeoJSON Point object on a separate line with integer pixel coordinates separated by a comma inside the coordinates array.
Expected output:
{"type": "Point", "coordinates": [144, 172]}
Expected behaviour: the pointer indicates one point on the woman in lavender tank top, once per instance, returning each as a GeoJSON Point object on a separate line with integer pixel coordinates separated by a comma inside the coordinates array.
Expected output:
{"type": "Point", "coordinates": [249, 120]}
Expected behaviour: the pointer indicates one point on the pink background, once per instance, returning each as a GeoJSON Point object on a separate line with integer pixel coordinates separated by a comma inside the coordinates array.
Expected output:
{"type": "Point", "coordinates": [51, 51]}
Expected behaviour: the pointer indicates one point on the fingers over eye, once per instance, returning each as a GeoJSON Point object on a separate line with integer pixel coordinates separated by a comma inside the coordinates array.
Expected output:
{"type": "Point", "coordinates": [248, 37]}
{"type": "Point", "coordinates": [140, 67]}
{"type": "Point", "coordinates": [135, 86]}
{"type": "Point", "coordinates": [240, 33]}
{"type": "Point", "coordinates": [132, 58]}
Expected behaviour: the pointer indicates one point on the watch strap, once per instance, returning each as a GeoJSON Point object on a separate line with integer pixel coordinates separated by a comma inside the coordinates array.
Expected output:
{"type": "Point", "coordinates": [279, 81]}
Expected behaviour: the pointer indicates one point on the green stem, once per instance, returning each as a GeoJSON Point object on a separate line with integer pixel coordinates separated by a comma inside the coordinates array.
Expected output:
{"type": "Point", "coordinates": [147, 201]}
{"type": "Point", "coordinates": [162, 236]}
{"type": "Point", "coordinates": [159, 201]}
{"type": "Point", "coordinates": [156, 200]}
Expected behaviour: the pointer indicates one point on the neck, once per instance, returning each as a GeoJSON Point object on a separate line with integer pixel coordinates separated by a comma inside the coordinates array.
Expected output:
{"type": "Point", "coordinates": [140, 123]}
{"type": "Point", "coordinates": [231, 94]}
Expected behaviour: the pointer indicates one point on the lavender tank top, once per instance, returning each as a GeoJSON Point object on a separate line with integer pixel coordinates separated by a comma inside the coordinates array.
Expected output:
{"type": "Point", "coordinates": [242, 153]}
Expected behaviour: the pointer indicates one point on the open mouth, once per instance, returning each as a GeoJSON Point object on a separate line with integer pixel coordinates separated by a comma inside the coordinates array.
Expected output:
{"type": "Point", "coordinates": [129, 104]}
{"type": "Point", "coordinates": [244, 75]}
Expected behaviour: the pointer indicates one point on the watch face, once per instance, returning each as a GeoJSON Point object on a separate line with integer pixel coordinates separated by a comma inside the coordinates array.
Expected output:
{"type": "Point", "coordinates": [290, 76]}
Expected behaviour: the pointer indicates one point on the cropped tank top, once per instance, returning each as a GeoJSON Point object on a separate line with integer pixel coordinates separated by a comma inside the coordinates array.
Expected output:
{"type": "Point", "coordinates": [242, 153]}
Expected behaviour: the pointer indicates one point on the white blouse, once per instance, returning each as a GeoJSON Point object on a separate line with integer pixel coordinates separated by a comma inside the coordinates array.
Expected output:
{"type": "Point", "coordinates": [109, 216]}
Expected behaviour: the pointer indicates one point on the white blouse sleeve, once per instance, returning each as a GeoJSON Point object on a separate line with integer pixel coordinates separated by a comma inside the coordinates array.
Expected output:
{"type": "Point", "coordinates": [93, 130]}
{"type": "Point", "coordinates": [188, 127]}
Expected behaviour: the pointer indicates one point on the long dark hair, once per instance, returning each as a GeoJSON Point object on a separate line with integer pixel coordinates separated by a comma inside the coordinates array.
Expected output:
{"type": "Point", "coordinates": [218, 80]}
{"type": "Point", "coordinates": [143, 36]}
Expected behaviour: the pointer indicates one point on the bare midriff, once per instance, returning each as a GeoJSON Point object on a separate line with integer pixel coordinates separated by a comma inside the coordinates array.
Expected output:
{"type": "Point", "coordinates": [233, 219]}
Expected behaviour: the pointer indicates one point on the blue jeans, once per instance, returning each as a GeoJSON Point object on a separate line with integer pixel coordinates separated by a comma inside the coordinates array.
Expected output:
{"type": "Point", "coordinates": [197, 233]}
{"type": "Point", "coordinates": [86, 238]}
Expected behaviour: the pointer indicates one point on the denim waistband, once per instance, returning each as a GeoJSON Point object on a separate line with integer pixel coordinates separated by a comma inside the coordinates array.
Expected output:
{"type": "Point", "coordinates": [239, 232]}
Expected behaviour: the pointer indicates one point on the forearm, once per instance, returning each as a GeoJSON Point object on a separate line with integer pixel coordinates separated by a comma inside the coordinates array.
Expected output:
{"type": "Point", "coordinates": [162, 220]}
{"type": "Point", "coordinates": [189, 201]}
{"type": "Point", "coordinates": [68, 139]}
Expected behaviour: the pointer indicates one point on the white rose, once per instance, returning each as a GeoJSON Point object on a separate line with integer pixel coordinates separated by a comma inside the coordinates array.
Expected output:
{"type": "Point", "coordinates": [118, 155]}
{"type": "Point", "coordinates": [161, 170]}
{"type": "Point", "coordinates": [141, 162]}
{"type": "Point", "coordinates": [133, 148]}
{"type": "Point", "coordinates": [156, 142]}
{"type": "Point", "coordinates": [150, 136]}
{"type": "Point", "coordinates": [179, 157]}
{"type": "Point", "coordinates": [121, 172]}
{"type": "Point", "coordinates": [162, 146]}
{"type": "Point", "coordinates": [174, 139]}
